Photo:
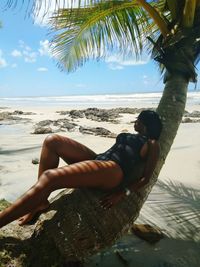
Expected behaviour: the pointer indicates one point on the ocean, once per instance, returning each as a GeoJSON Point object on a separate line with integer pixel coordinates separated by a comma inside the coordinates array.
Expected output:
{"type": "Point", "coordinates": [104, 101]}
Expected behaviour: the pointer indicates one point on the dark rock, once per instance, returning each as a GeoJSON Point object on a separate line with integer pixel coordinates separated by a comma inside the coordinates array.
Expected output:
{"type": "Point", "coordinates": [64, 123]}
{"type": "Point", "coordinates": [35, 161]}
{"type": "Point", "coordinates": [19, 112]}
{"type": "Point", "coordinates": [147, 232]}
{"type": "Point", "coordinates": [44, 123]}
{"type": "Point", "coordinates": [189, 120]}
{"type": "Point", "coordinates": [43, 130]}
{"type": "Point", "coordinates": [63, 112]}
{"type": "Point", "coordinates": [128, 110]}
{"type": "Point", "coordinates": [193, 114]}
{"type": "Point", "coordinates": [8, 116]}
{"type": "Point", "coordinates": [74, 114]}
{"type": "Point", "coordinates": [96, 114]}
{"type": "Point", "coordinates": [61, 123]}
{"type": "Point", "coordinates": [97, 131]}
{"type": "Point", "coordinates": [5, 116]}
{"type": "Point", "coordinates": [69, 126]}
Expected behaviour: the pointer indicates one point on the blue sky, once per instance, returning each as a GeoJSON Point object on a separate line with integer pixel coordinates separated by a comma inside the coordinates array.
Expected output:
{"type": "Point", "coordinates": [28, 69]}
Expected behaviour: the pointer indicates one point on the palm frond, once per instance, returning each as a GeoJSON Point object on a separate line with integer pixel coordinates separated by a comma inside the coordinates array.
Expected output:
{"type": "Point", "coordinates": [189, 13]}
{"type": "Point", "coordinates": [173, 7]}
{"type": "Point", "coordinates": [179, 52]}
{"type": "Point", "coordinates": [92, 32]}
{"type": "Point", "coordinates": [175, 208]}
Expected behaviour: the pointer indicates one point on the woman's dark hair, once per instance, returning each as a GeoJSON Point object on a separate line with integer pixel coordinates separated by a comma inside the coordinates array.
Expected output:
{"type": "Point", "coordinates": [152, 122]}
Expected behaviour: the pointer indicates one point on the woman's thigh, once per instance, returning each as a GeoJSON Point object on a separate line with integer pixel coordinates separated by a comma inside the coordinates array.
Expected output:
{"type": "Point", "coordinates": [92, 173]}
{"type": "Point", "coordinates": [70, 150]}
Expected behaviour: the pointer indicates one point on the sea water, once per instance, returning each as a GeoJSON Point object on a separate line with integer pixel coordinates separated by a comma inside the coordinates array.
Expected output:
{"type": "Point", "coordinates": [106, 101]}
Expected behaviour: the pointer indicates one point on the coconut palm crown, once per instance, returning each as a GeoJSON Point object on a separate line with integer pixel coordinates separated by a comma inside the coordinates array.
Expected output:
{"type": "Point", "coordinates": [92, 31]}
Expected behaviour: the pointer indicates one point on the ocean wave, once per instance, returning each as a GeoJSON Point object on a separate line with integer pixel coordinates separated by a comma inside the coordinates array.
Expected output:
{"type": "Point", "coordinates": [96, 100]}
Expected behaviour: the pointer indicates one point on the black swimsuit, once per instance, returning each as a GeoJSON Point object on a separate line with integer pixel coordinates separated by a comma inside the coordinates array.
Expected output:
{"type": "Point", "coordinates": [125, 152]}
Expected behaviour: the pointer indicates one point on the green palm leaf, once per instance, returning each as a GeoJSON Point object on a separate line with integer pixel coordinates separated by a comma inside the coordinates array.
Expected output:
{"type": "Point", "coordinates": [93, 32]}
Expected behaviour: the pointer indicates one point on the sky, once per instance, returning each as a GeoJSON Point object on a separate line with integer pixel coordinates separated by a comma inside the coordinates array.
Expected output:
{"type": "Point", "coordinates": [27, 67]}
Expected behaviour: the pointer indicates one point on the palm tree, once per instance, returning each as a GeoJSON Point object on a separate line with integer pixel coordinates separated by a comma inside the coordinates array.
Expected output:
{"type": "Point", "coordinates": [170, 31]}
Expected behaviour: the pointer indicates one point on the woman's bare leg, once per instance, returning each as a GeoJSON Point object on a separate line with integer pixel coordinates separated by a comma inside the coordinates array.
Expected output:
{"type": "Point", "coordinates": [54, 147]}
{"type": "Point", "coordinates": [102, 174]}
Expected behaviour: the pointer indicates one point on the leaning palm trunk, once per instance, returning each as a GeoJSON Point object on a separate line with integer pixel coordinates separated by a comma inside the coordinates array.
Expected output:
{"type": "Point", "coordinates": [171, 109]}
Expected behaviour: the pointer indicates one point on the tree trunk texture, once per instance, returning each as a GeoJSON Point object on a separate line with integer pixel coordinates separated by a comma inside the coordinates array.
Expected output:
{"type": "Point", "coordinates": [76, 226]}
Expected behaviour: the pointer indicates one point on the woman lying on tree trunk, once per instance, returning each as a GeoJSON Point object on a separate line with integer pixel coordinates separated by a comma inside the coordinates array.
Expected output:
{"type": "Point", "coordinates": [87, 169]}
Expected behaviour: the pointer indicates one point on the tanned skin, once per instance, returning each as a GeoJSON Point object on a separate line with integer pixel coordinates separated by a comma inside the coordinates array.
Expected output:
{"type": "Point", "coordinates": [82, 171]}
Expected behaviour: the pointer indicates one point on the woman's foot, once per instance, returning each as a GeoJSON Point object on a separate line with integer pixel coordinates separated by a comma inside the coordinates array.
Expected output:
{"type": "Point", "coordinates": [30, 216]}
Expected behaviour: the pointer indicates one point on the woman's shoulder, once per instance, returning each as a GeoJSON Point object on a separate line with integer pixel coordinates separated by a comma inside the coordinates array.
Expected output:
{"type": "Point", "coordinates": [153, 145]}
{"type": "Point", "coordinates": [153, 142]}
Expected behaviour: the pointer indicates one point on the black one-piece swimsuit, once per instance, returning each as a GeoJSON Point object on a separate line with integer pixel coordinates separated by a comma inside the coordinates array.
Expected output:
{"type": "Point", "coordinates": [125, 152]}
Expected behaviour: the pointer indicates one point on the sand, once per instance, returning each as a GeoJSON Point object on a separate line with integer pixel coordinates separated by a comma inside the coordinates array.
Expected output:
{"type": "Point", "coordinates": [19, 146]}
{"type": "Point", "coordinates": [17, 173]}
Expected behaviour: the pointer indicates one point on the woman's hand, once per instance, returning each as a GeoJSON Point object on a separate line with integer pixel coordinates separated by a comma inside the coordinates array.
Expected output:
{"type": "Point", "coordinates": [111, 199]}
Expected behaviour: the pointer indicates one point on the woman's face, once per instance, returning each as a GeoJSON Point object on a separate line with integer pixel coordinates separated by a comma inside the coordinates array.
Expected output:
{"type": "Point", "coordinates": [139, 127]}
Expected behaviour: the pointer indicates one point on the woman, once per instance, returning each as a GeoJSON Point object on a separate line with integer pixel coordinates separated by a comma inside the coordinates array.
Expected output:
{"type": "Point", "coordinates": [87, 169]}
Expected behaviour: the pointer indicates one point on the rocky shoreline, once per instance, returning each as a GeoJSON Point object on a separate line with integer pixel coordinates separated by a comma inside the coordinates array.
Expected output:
{"type": "Point", "coordinates": [70, 121]}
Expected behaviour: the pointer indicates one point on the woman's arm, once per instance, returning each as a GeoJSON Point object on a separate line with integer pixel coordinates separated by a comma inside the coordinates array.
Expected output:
{"type": "Point", "coordinates": [152, 158]}
{"type": "Point", "coordinates": [153, 152]}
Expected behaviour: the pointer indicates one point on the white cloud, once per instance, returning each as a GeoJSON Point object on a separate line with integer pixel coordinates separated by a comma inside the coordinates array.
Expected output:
{"type": "Point", "coordinates": [116, 62]}
{"type": "Point", "coordinates": [3, 62]}
{"type": "Point", "coordinates": [26, 51]}
{"type": "Point", "coordinates": [42, 69]}
{"type": "Point", "coordinates": [16, 53]}
{"type": "Point", "coordinates": [44, 49]}
{"type": "Point", "coordinates": [134, 62]}
{"type": "Point", "coordinates": [23, 45]}
{"type": "Point", "coordinates": [30, 57]}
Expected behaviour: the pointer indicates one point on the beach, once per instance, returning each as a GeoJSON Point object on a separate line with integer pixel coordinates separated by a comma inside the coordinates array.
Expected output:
{"type": "Point", "coordinates": [19, 146]}
{"type": "Point", "coordinates": [24, 121]}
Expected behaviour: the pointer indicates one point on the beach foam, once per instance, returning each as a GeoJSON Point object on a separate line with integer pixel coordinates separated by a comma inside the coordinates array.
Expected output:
{"type": "Point", "coordinates": [107, 100]}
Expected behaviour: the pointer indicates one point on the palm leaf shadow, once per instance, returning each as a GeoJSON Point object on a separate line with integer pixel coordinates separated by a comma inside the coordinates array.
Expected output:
{"type": "Point", "coordinates": [175, 208]}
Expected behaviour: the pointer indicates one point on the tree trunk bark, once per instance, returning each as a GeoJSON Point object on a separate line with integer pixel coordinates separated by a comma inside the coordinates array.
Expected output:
{"type": "Point", "coordinates": [171, 109]}
{"type": "Point", "coordinates": [76, 226]}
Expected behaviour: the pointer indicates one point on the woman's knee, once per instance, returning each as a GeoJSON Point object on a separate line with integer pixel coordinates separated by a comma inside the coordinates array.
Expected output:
{"type": "Point", "coordinates": [52, 141]}
{"type": "Point", "coordinates": [47, 178]}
